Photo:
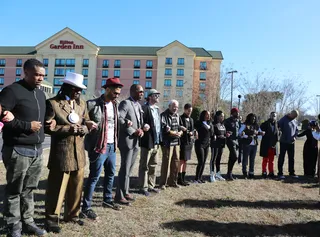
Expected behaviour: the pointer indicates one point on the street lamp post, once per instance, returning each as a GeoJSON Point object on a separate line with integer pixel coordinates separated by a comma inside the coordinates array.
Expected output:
{"type": "Point", "coordinates": [239, 97]}
{"type": "Point", "coordinates": [231, 72]}
{"type": "Point", "coordinates": [318, 100]}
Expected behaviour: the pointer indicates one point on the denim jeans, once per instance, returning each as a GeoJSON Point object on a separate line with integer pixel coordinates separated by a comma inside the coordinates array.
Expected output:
{"type": "Point", "coordinates": [249, 152]}
{"type": "Point", "coordinates": [23, 174]}
{"type": "Point", "coordinates": [97, 162]}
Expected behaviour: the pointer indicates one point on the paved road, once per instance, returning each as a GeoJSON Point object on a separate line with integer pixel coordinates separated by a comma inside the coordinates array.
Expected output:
{"type": "Point", "coordinates": [46, 143]}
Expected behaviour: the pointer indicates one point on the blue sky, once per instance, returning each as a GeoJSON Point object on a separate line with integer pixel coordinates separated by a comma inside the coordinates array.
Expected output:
{"type": "Point", "coordinates": [280, 35]}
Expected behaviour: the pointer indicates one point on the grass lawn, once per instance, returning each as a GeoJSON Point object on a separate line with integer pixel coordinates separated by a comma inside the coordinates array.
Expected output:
{"type": "Point", "coordinates": [241, 208]}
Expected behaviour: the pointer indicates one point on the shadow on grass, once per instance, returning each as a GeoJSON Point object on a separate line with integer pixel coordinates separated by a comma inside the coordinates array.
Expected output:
{"type": "Point", "coordinates": [212, 228]}
{"type": "Point", "coordinates": [218, 203]}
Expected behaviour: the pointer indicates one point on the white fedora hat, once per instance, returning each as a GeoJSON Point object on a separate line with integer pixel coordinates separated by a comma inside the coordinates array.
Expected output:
{"type": "Point", "coordinates": [74, 79]}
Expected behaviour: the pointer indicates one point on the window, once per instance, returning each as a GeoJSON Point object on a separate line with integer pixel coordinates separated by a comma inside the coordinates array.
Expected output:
{"type": "Point", "coordinates": [202, 86]}
{"type": "Point", "coordinates": [202, 96]}
{"type": "Point", "coordinates": [69, 70]}
{"type": "Point", "coordinates": [179, 83]}
{"type": "Point", "coordinates": [180, 72]}
{"type": "Point", "coordinates": [45, 62]}
{"type": "Point", "coordinates": [168, 61]}
{"type": "Point", "coordinates": [180, 61]}
{"type": "Point", "coordinates": [60, 62]}
{"type": "Point", "coordinates": [168, 72]}
{"type": "Point", "coordinates": [105, 73]}
{"type": "Point", "coordinates": [57, 82]}
{"type": "Point", "coordinates": [136, 64]}
{"type": "Point", "coordinates": [149, 63]}
{"type": "Point", "coordinates": [85, 72]}
{"type": "Point", "coordinates": [116, 73]}
{"type": "Point", "coordinates": [18, 72]}
{"type": "Point", "coordinates": [83, 92]}
{"type": "Point", "coordinates": [17, 79]}
{"type": "Point", "coordinates": [2, 62]}
{"type": "Point", "coordinates": [105, 63]}
{"type": "Point", "coordinates": [203, 76]}
{"type": "Point", "coordinates": [1, 80]}
{"type": "Point", "coordinates": [179, 93]}
{"type": "Point", "coordinates": [148, 84]}
{"type": "Point", "coordinates": [166, 93]}
{"type": "Point", "coordinates": [59, 72]}
{"type": "Point", "coordinates": [85, 63]}
{"type": "Point", "coordinates": [85, 82]}
{"type": "Point", "coordinates": [136, 82]}
{"type": "Point", "coordinates": [148, 74]}
{"type": "Point", "coordinates": [146, 94]}
{"type": "Point", "coordinates": [56, 90]}
{"type": "Point", "coordinates": [1, 71]}
{"type": "Point", "coordinates": [203, 65]}
{"type": "Point", "coordinates": [167, 82]}
{"type": "Point", "coordinates": [103, 82]}
{"type": "Point", "coordinates": [70, 62]}
{"type": "Point", "coordinates": [19, 63]}
{"type": "Point", "coordinates": [117, 63]}
{"type": "Point", "coordinates": [136, 74]}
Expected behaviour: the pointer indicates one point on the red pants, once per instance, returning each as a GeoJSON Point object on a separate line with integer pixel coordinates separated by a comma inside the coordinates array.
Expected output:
{"type": "Point", "coordinates": [268, 161]}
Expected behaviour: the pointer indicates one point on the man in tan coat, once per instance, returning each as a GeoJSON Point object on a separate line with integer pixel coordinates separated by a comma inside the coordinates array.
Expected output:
{"type": "Point", "coordinates": [67, 156]}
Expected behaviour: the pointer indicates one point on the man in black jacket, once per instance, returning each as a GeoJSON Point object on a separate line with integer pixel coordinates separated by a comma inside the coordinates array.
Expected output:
{"type": "Point", "coordinates": [232, 128]}
{"type": "Point", "coordinates": [150, 144]}
{"type": "Point", "coordinates": [22, 150]}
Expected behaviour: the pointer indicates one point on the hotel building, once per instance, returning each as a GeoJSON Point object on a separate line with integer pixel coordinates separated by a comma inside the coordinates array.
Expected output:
{"type": "Point", "coordinates": [177, 71]}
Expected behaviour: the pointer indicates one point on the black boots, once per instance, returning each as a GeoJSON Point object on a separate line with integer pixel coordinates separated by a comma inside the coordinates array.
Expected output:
{"type": "Point", "coordinates": [181, 179]}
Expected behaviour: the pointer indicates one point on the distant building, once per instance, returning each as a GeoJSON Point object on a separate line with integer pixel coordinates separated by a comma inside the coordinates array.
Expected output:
{"type": "Point", "coordinates": [177, 71]}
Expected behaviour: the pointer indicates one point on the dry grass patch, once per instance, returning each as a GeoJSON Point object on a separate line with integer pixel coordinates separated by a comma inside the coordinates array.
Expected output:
{"type": "Point", "coordinates": [240, 208]}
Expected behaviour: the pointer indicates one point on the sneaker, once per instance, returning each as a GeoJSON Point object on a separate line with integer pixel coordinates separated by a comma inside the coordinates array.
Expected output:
{"type": "Point", "coordinates": [112, 205]}
{"type": "Point", "coordinates": [33, 229]}
{"type": "Point", "coordinates": [264, 175]}
{"type": "Point", "coordinates": [88, 214]}
{"type": "Point", "coordinates": [245, 175]}
{"type": "Point", "coordinates": [144, 192]}
{"type": "Point", "coordinates": [212, 178]}
{"type": "Point", "coordinates": [202, 181]}
{"type": "Point", "coordinates": [219, 177]}
{"type": "Point", "coordinates": [281, 176]}
{"type": "Point", "coordinates": [15, 230]}
{"type": "Point", "coordinates": [162, 187]}
{"type": "Point", "coordinates": [153, 190]}
{"type": "Point", "coordinates": [230, 177]}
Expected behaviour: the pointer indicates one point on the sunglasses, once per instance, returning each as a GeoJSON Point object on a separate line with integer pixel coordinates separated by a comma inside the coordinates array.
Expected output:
{"type": "Point", "coordinates": [140, 92]}
{"type": "Point", "coordinates": [156, 95]}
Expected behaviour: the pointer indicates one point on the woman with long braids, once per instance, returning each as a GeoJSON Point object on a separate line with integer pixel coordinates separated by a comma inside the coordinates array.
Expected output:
{"type": "Point", "coordinates": [202, 143]}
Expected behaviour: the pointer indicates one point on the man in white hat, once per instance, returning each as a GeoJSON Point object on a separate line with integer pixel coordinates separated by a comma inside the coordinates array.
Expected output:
{"type": "Point", "coordinates": [67, 156]}
{"type": "Point", "coordinates": [150, 143]}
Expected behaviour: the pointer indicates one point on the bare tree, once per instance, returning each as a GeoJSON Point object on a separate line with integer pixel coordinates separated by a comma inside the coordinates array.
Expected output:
{"type": "Point", "coordinates": [294, 95]}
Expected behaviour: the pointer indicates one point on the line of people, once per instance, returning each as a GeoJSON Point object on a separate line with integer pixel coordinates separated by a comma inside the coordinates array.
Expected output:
{"type": "Point", "coordinates": [101, 126]}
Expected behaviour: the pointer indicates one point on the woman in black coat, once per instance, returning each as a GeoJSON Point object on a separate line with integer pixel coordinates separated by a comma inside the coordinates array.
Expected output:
{"type": "Point", "coordinates": [218, 142]}
{"type": "Point", "coordinates": [202, 144]}
{"type": "Point", "coordinates": [268, 145]}
{"type": "Point", "coordinates": [310, 150]}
